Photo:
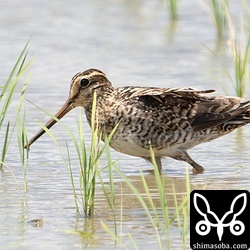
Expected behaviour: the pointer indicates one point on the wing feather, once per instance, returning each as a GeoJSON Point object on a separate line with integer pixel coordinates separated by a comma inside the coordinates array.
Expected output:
{"type": "Point", "coordinates": [191, 105]}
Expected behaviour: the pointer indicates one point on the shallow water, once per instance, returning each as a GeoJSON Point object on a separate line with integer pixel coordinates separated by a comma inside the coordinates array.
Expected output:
{"type": "Point", "coordinates": [134, 43]}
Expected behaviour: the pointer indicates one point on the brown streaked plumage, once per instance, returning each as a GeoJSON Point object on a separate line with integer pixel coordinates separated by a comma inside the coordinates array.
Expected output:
{"type": "Point", "coordinates": [170, 120]}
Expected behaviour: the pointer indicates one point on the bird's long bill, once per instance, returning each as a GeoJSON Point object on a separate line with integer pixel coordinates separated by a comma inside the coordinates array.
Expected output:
{"type": "Point", "coordinates": [60, 113]}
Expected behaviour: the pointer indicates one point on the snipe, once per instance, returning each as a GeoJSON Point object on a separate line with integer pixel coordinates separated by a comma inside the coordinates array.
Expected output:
{"type": "Point", "coordinates": [170, 120]}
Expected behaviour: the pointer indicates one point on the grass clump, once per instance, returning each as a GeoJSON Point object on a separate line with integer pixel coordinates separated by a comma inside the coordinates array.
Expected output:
{"type": "Point", "coordinates": [173, 8]}
{"type": "Point", "coordinates": [155, 205]}
{"type": "Point", "coordinates": [88, 160]}
{"type": "Point", "coordinates": [8, 91]}
{"type": "Point", "coordinates": [236, 32]}
{"type": "Point", "coordinates": [240, 49]}
{"type": "Point", "coordinates": [218, 10]}
{"type": "Point", "coordinates": [89, 164]}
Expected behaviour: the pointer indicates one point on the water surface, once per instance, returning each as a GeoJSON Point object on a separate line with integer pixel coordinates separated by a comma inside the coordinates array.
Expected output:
{"type": "Point", "coordinates": [134, 44]}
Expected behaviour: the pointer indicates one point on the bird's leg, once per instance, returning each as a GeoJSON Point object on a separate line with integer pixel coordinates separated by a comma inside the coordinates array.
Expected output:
{"type": "Point", "coordinates": [157, 160]}
{"type": "Point", "coordinates": [184, 156]}
{"type": "Point", "coordinates": [158, 163]}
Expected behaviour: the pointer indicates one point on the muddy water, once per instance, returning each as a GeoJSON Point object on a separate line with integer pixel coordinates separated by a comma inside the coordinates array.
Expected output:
{"type": "Point", "coordinates": [135, 44]}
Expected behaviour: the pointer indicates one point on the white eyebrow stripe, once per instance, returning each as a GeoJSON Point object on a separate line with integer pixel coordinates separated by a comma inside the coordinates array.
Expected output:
{"type": "Point", "coordinates": [92, 74]}
{"type": "Point", "coordinates": [95, 73]}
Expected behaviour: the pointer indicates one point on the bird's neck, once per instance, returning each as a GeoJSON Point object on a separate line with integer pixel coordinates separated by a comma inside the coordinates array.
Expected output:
{"type": "Point", "coordinates": [103, 97]}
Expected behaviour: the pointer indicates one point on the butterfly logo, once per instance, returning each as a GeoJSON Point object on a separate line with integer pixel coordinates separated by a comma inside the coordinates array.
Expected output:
{"type": "Point", "coordinates": [203, 227]}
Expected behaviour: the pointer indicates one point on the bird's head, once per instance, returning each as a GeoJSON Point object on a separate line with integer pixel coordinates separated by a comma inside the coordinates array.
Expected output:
{"type": "Point", "coordinates": [84, 84]}
{"type": "Point", "coordinates": [82, 88]}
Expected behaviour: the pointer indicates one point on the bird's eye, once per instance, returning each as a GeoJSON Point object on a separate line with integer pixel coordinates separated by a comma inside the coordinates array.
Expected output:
{"type": "Point", "coordinates": [84, 82]}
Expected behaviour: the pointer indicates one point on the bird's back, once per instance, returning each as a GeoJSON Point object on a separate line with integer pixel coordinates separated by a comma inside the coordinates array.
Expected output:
{"type": "Point", "coordinates": [172, 118]}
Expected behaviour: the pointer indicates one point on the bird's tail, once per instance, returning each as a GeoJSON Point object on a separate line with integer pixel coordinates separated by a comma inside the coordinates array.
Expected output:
{"type": "Point", "coordinates": [243, 117]}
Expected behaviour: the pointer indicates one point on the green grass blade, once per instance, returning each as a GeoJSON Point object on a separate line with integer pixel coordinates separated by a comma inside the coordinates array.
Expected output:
{"type": "Point", "coordinates": [5, 145]}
